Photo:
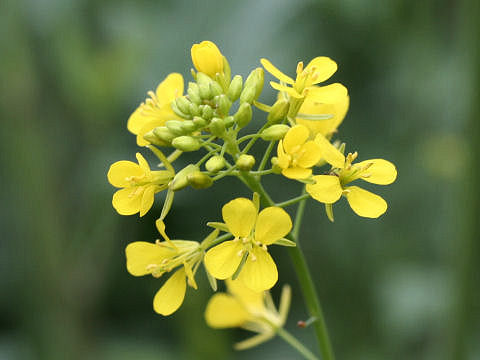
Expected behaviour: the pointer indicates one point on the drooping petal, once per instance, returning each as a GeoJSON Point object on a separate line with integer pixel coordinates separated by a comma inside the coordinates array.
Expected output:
{"type": "Point", "coordinates": [121, 171]}
{"type": "Point", "coordinates": [381, 172]}
{"type": "Point", "coordinates": [329, 94]}
{"type": "Point", "coordinates": [324, 68]}
{"type": "Point", "coordinates": [170, 297]}
{"type": "Point", "coordinates": [364, 203]}
{"type": "Point", "coordinates": [290, 91]}
{"type": "Point", "coordinates": [259, 272]}
{"type": "Point", "coordinates": [223, 260]}
{"type": "Point", "coordinates": [224, 311]}
{"type": "Point", "coordinates": [240, 215]}
{"type": "Point", "coordinates": [272, 69]}
{"type": "Point", "coordinates": [273, 223]}
{"type": "Point", "coordinates": [294, 138]}
{"type": "Point", "coordinates": [141, 255]}
{"type": "Point", "coordinates": [169, 89]}
{"type": "Point", "coordinates": [327, 189]}
{"type": "Point", "coordinates": [296, 173]}
{"type": "Point", "coordinates": [127, 201]}
{"type": "Point", "coordinates": [311, 154]}
{"type": "Point", "coordinates": [252, 300]}
{"type": "Point", "coordinates": [143, 163]}
{"type": "Point", "coordinates": [147, 199]}
{"type": "Point", "coordinates": [207, 58]}
{"type": "Point", "coordinates": [330, 153]}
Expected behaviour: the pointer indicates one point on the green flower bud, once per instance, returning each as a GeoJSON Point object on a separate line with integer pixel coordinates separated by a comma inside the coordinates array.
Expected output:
{"type": "Point", "coordinates": [188, 126]}
{"type": "Point", "coordinates": [154, 139]}
{"type": "Point", "coordinates": [183, 104]}
{"type": "Point", "coordinates": [243, 115]}
{"type": "Point", "coordinates": [223, 104]}
{"type": "Point", "coordinates": [164, 134]}
{"type": "Point", "coordinates": [226, 69]}
{"type": "Point", "coordinates": [247, 95]}
{"type": "Point", "coordinates": [215, 164]}
{"type": "Point", "coordinates": [175, 127]}
{"type": "Point", "coordinates": [255, 80]}
{"type": "Point", "coordinates": [274, 132]}
{"type": "Point", "coordinates": [203, 80]}
{"type": "Point", "coordinates": [186, 143]}
{"type": "Point", "coordinates": [180, 180]}
{"type": "Point", "coordinates": [279, 111]}
{"type": "Point", "coordinates": [199, 180]}
{"type": "Point", "coordinates": [194, 109]}
{"type": "Point", "coordinates": [215, 88]}
{"type": "Point", "coordinates": [217, 127]}
{"type": "Point", "coordinates": [207, 112]}
{"type": "Point", "coordinates": [245, 162]}
{"type": "Point", "coordinates": [194, 93]}
{"type": "Point", "coordinates": [205, 91]}
{"type": "Point", "coordinates": [178, 112]}
{"type": "Point", "coordinates": [199, 122]}
{"type": "Point", "coordinates": [276, 169]}
{"type": "Point", "coordinates": [229, 121]}
{"type": "Point", "coordinates": [235, 88]}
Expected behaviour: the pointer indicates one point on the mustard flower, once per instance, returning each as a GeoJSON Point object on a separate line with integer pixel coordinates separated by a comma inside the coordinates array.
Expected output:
{"type": "Point", "coordinates": [207, 58]}
{"type": "Point", "coordinates": [156, 259]}
{"type": "Point", "coordinates": [249, 310]}
{"type": "Point", "coordinates": [296, 155]}
{"type": "Point", "coordinates": [139, 185]}
{"type": "Point", "coordinates": [329, 188]}
{"type": "Point", "coordinates": [156, 110]}
{"type": "Point", "coordinates": [253, 232]}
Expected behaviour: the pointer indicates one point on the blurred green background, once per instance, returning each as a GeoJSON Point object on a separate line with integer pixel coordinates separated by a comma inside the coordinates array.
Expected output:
{"type": "Point", "coordinates": [72, 71]}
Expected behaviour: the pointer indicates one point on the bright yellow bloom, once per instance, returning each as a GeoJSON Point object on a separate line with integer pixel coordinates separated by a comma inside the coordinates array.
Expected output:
{"type": "Point", "coordinates": [156, 259]}
{"type": "Point", "coordinates": [329, 188]}
{"type": "Point", "coordinates": [244, 308]}
{"type": "Point", "coordinates": [139, 185]}
{"type": "Point", "coordinates": [253, 231]}
{"type": "Point", "coordinates": [207, 58]}
{"type": "Point", "coordinates": [296, 155]}
{"type": "Point", "coordinates": [156, 110]}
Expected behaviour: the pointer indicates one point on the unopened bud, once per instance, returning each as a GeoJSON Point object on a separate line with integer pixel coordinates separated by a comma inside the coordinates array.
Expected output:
{"type": "Point", "coordinates": [178, 112]}
{"type": "Point", "coordinates": [223, 104]}
{"type": "Point", "coordinates": [278, 111]}
{"type": "Point", "coordinates": [215, 88]}
{"type": "Point", "coordinates": [188, 126]}
{"type": "Point", "coordinates": [255, 80]}
{"type": "Point", "coordinates": [194, 93]}
{"type": "Point", "coordinates": [275, 167]}
{"type": "Point", "coordinates": [194, 109]}
{"type": "Point", "coordinates": [207, 112]}
{"type": "Point", "coordinates": [199, 122]}
{"type": "Point", "coordinates": [199, 180]}
{"type": "Point", "coordinates": [183, 104]}
{"type": "Point", "coordinates": [243, 115]}
{"type": "Point", "coordinates": [275, 132]}
{"type": "Point", "coordinates": [175, 127]}
{"type": "Point", "coordinates": [154, 139]}
{"type": "Point", "coordinates": [247, 95]}
{"type": "Point", "coordinates": [215, 164]}
{"type": "Point", "coordinates": [229, 121]}
{"type": "Point", "coordinates": [245, 162]}
{"type": "Point", "coordinates": [186, 143]}
{"type": "Point", "coordinates": [180, 180]}
{"type": "Point", "coordinates": [164, 134]}
{"type": "Point", "coordinates": [217, 127]}
{"type": "Point", "coordinates": [205, 91]}
{"type": "Point", "coordinates": [235, 88]}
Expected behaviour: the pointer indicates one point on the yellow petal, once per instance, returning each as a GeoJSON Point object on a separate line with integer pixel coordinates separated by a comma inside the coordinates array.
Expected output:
{"type": "Point", "coordinates": [147, 199]}
{"type": "Point", "coordinates": [252, 300]}
{"type": "Point", "coordinates": [272, 69]}
{"type": "Point", "coordinates": [259, 272]}
{"type": "Point", "coordinates": [140, 255]}
{"type": "Point", "coordinates": [329, 94]}
{"type": "Point", "coordinates": [142, 163]}
{"type": "Point", "coordinates": [239, 215]}
{"type": "Point", "coordinates": [330, 153]}
{"type": "Point", "coordinates": [223, 260]}
{"type": "Point", "coordinates": [290, 91]}
{"type": "Point", "coordinates": [127, 201]}
{"type": "Point", "coordinates": [294, 138]}
{"type": "Point", "coordinates": [150, 125]}
{"type": "Point", "coordinates": [283, 159]}
{"type": "Point", "coordinates": [324, 68]}
{"type": "Point", "coordinates": [169, 89]}
{"type": "Point", "coordinates": [326, 189]}
{"type": "Point", "coordinates": [224, 311]}
{"type": "Point", "coordinates": [311, 154]}
{"type": "Point", "coordinates": [364, 203]}
{"type": "Point", "coordinates": [381, 172]}
{"type": "Point", "coordinates": [170, 297]}
{"type": "Point", "coordinates": [136, 120]}
{"type": "Point", "coordinates": [120, 171]}
{"type": "Point", "coordinates": [296, 173]}
{"type": "Point", "coordinates": [273, 223]}
{"type": "Point", "coordinates": [207, 58]}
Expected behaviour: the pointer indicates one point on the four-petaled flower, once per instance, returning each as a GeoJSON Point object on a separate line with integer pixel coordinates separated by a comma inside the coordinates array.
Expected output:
{"type": "Point", "coordinates": [329, 188]}
{"type": "Point", "coordinates": [156, 110]}
{"type": "Point", "coordinates": [207, 58]}
{"type": "Point", "coordinates": [296, 154]}
{"type": "Point", "coordinates": [247, 309]}
{"type": "Point", "coordinates": [139, 185]}
{"type": "Point", "coordinates": [253, 231]}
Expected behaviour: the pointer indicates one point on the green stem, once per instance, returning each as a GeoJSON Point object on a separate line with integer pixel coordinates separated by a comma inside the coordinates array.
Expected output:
{"type": "Point", "coordinates": [293, 201]}
{"type": "Point", "coordinates": [252, 141]}
{"type": "Point", "coordinates": [266, 156]}
{"type": "Point", "coordinates": [290, 339]}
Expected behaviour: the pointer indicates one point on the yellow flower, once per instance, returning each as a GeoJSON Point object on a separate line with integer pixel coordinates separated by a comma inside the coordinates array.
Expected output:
{"type": "Point", "coordinates": [156, 110]}
{"type": "Point", "coordinates": [139, 185]}
{"type": "Point", "coordinates": [156, 259]}
{"type": "Point", "coordinates": [296, 155]}
{"type": "Point", "coordinates": [329, 188]}
{"type": "Point", "coordinates": [253, 231]}
{"type": "Point", "coordinates": [244, 308]}
{"type": "Point", "coordinates": [207, 58]}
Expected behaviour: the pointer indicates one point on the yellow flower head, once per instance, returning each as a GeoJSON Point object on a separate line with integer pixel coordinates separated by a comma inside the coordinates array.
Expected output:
{"type": "Point", "coordinates": [207, 58]}
{"type": "Point", "coordinates": [156, 110]}
{"type": "Point", "coordinates": [253, 231]}
{"type": "Point", "coordinates": [247, 309]}
{"type": "Point", "coordinates": [139, 185]}
{"type": "Point", "coordinates": [156, 259]}
{"type": "Point", "coordinates": [296, 154]}
{"type": "Point", "coordinates": [329, 188]}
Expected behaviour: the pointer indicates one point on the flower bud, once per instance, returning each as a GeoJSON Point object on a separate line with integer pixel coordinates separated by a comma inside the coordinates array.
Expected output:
{"type": "Point", "coordinates": [164, 134]}
{"type": "Point", "coordinates": [235, 88]}
{"type": "Point", "coordinates": [255, 80]}
{"type": "Point", "coordinates": [183, 104]}
{"type": "Point", "coordinates": [275, 132]}
{"type": "Point", "coordinates": [229, 121]}
{"type": "Point", "coordinates": [247, 95]}
{"type": "Point", "coordinates": [194, 109]}
{"type": "Point", "coordinates": [154, 139]}
{"type": "Point", "coordinates": [186, 143]}
{"type": "Point", "coordinates": [199, 122]}
{"type": "Point", "coordinates": [194, 93]}
{"type": "Point", "coordinates": [178, 112]}
{"type": "Point", "coordinates": [188, 126]}
{"type": "Point", "coordinates": [207, 112]}
{"type": "Point", "coordinates": [175, 127]}
{"type": "Point", "coordinates": [223, 104]}
{"type": "Point", "coordinates": [276, 169]}
{"type": "Point", "coordinates": [217, 127]}
{"type": "Point", "coordinates": [278, 111]}
{"type": "Point", "coordinates": [215, 164]}
{"type": "Point", "coordinates": [215, 88]}
{"type": "Point", "coordinates": [245, 162]}
{"type": "Point", "coordinates": [205, 91]}
{"type": "Point", "coordinates": [199, 180]}
{"type": "Point", "coordinates": [207, 58]}
{"type": "Point", "coordinates": [180, 180]}
{"type": "Point", "coordinates": [243, 115]}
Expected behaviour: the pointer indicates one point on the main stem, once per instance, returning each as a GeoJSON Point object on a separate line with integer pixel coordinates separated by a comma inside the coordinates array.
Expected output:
{"type": "Point", "coordinates": [301, 268]}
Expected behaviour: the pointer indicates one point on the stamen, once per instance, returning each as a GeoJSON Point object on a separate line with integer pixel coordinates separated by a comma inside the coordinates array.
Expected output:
{"type": "Point", "coordinates": [299, 67]}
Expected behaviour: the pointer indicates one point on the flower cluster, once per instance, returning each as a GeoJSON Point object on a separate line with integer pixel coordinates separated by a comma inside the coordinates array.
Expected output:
{"type": "Point", "coordinates": [210, 117]}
